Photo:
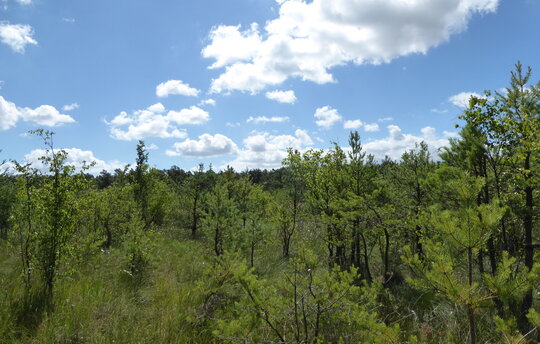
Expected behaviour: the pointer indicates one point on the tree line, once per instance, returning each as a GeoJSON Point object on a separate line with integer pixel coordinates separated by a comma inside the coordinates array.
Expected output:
{"type": "Point", "coordinates": [334, 247]}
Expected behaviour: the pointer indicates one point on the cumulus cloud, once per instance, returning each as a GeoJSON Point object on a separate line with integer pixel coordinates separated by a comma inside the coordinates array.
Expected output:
{"type": "Point", "coordinates": [70, 107]}
{"type": "Point", "coordinates": [46, 115]}
{"type": "Point", "coordinates": [206, 146]}
{"type": "Point", "coordinates": [264, 119]}
{"type": "Point", "coordinates": [262, 150]}
{"type": "Point", "coordinates": [397, 142]}
{"type": "Point", "coordinates": [208, 102]}
{"type": "Point", "coordinates": [175, 87]}
{"type": "Point", "coordinates": [308, 38]}
{"type": "Point", "coordinates": [327, 117]}
{"type": "Point", "coordinates": [229, 45]}
{"type": "Point", "coordinates": [150, 122]}
{"type": "Point", "coordinates": [17, 36]}
{"type": "Point", "coordinates": [355, 124]}
{"type": "Point", "coordinates": [193, 116]}
{"type": "Point", "coordinates": [9, 114]}
{"type": "Point", "coordinates": [287, 97]}
{"type": "Point", "coordinates": [76, 157]}
{"type": "Point", "coordinates": [371, 127]}
{"type": "Point", "coordinates": [461, 100]}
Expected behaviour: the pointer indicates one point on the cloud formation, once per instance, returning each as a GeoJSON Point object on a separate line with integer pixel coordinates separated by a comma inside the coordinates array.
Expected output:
{"type": "Point", "coordinates": [461, 100]}
{"type": "Point", "coordinates": [192, 116]}
{"type": "Point", "coordinates": [262, 150]}
{"type": "Point", "coordinates": [46, 115]}
{"type": "Point", "coordinates": [153, 122]}
{"type": "Point", "coordinates": [309, 38]}
{"type": "Point", "coordinates": [17, 36]}
{"type": "Point", "coordinates": [206, 146]}
{"type": "Point", "coordinates": [207, 102]}
{"type": "Point", "coordinates": [326, 117]}
{"type": "Point", "coordinates": [175, 87]}
{"type": "Point", "coordinates": [354, 124]}
{"type": "Point", "coordinates": [287, 97]}
{"type": "Point", "coordinates": [76, 157]}
{"type": "Point", "coordinates": [397, 142]}
{"type": "Point", "coordinates": [70, 107]}
{"type": "Point", "coordinates": [264, 119]}
{"type": "Point", "coordinates": [371, 127]}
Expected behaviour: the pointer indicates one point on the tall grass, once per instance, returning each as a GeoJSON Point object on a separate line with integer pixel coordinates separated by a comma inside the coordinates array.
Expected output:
{"type": "Point", "coordinates": [99, 304]}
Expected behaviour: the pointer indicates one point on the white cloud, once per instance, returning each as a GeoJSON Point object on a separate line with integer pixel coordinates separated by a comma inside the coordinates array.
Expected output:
{"type": "Point", "coordinates": [386, 119]}
{"type": "Point", "coordinates": [230, 45]}
{"type": "Point", "coordinates": [17, 36]}
{"type": "Point", "coordinates": [352, 124]}
{"type": "Point", "coordinates": [371, 127]}
{"type": "Point", "coordinates": [287, 97]}
{"type": "Point", "coordinates": [428, 132]}
{"type": "Point", "coordinates": [46, 115]}
{"type": "Point", "coordinates": [462, 99]}
{"type": "Point", "coordinates": [24, 2]}
{"type": "Point", "coordinates": [76, 157]}
{"type": "Point", "coordinates": [232, 125]}
{"type": "Point", "coordinates": [309, 38]}
{"type": "Point", "coordinates": [206, 146]}
{"type": "Point", "coordinates": [9, 114]}
{"type": "Point", "coordinates": [175, 87]}
{"type": "Point", "coordinates": [152, 146]}
{"type": "Point", "coordinates": [68, 20]}
{"type": "Point", "coordinates": [327, 117]}
{"type": "Point", "coordinates": [193, 116]}
{"type": "Point", "coordinates": [262, 150]}
{"type": "Point", "coordinates": [264, 119]}
{"type": "Point", "coordinates": [149, 122]}
{"type": "Point", "coordinates": [208, 102]}
{"type": "Point", "coordinates": [397, 142]}
{"type": "Point", "coordinates": [70, 107]}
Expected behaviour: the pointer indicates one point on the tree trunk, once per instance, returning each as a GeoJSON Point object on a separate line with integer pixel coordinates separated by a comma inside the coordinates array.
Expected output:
{"type": "Point", "coordinates": [195, 217]}
{"type": "Point", "coordinates": [470, 311]}
{"type": "Point", "coordinates": [366, 259]}
{"type": "Point", "coordinates": [526, 303]}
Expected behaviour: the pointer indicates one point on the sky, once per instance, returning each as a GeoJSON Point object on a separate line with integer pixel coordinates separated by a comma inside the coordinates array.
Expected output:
{"type": "Point", "coordinates": [236, 82]}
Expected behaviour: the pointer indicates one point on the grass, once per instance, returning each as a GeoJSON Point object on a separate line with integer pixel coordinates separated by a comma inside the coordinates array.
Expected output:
{"type": "Point", "coordinates": [99, 304]}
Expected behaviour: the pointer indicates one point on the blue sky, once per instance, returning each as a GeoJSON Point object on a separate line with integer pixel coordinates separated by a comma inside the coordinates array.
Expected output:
{"type": "Point", "coordinates": [237, 82]}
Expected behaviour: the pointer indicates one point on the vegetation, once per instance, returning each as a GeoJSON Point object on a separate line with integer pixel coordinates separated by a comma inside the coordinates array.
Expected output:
{"type": "Point", "coordinates": [334, 247]}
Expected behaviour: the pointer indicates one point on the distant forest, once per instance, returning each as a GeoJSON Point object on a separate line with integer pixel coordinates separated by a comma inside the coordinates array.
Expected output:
{"type": "Point", "coordinates": [333, 247]}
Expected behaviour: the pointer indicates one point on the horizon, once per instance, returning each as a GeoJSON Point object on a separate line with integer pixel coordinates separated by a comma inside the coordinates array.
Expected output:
{"type": "Point", "coordinates": [238, 84]}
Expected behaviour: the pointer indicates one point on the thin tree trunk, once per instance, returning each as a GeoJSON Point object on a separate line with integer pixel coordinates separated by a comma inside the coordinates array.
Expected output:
{"type": "Point", "coordinates": [526, 303]}
{"type": "Point", "coordinates": [470, 311]}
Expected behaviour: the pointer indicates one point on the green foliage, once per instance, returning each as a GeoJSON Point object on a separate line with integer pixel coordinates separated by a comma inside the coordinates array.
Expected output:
{"type": "Point", "coordinates": [447, 264]}
{"type": "Point", "coordinates": [7, 200]}
{"type": "Point", "coordinates": [307, 305]}
{"type": "Point", "coordinates": [45, 217]}
{"type": "Point", "coordinates": [221, 220]}
{"type": "Point", "coordinates": [137, 246]}
{"type": "Point", "coordinates": [308, 253]}
{"type": "Point", "coordinates": [508, 283]}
